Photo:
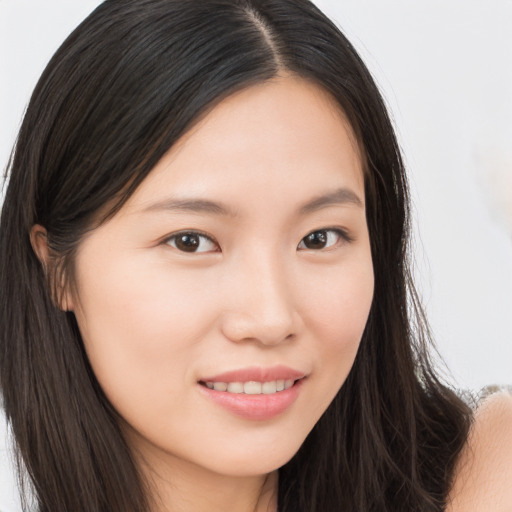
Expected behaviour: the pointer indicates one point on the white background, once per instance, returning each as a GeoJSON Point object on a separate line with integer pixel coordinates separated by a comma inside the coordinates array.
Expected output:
{"type": "Point", "coordinates": [445, 68]}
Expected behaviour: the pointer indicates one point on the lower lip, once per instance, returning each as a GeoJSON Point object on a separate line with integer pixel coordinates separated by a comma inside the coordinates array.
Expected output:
{"type": "Point", "coordinates": [255, 407]}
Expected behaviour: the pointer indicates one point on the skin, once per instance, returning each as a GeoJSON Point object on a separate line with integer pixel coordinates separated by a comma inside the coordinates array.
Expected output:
{"type": "Point", "coordinates": [155, 319]}
{"type": "Point", "coordinates": [484, 470]}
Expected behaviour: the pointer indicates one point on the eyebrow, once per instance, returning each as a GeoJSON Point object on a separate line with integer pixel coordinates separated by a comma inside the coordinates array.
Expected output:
{"type": "Point", "coordinates": [338, 197]}
{"type": "Point", "coordinates": [191, 206]}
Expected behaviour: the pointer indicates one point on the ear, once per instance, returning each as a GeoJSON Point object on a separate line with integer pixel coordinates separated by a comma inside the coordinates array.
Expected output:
{"type": "Point", "coordinates": [39, 242]}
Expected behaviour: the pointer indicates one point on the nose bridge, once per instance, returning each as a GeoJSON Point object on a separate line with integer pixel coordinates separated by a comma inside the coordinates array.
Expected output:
{"type": "Point", "coordinates": [263, 305]}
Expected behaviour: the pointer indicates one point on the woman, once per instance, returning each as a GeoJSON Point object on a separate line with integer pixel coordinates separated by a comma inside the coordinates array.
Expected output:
{"type": "Point", "coordinates": [207, 304]}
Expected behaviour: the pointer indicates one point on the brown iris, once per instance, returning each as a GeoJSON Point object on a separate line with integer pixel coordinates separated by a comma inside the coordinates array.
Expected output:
{"type": "Point", "coordinates": [188, 242]}
{"type": "Point", "coordinates": [316, 240]}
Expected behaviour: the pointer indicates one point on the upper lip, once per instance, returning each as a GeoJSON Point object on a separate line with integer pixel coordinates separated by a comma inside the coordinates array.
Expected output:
{"type": "Point", "coordinates": [257, 374]}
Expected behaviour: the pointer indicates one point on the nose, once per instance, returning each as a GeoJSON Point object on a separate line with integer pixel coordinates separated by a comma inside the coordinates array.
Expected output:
{"type": "Point", "coordinates": [262, 306]}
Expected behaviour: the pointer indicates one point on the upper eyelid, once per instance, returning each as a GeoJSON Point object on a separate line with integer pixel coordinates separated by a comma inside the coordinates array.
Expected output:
{"type": "Point", "coordinates": [343, 233]}
{"type": "Point", "coordinates": [186, 231]}
{"type": "Point", "coordinates": [168, 238]}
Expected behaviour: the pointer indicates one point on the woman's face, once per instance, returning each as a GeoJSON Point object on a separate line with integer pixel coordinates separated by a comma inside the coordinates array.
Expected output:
{"type": "Point", "coordinates": [242, 261]}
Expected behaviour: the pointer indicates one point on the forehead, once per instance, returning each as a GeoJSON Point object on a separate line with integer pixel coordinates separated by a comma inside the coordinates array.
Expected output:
{"type": "Point", "coordinates": [285, 134]}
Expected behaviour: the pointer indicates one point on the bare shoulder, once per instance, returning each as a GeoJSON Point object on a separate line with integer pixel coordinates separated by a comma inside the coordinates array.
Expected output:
{"type": "Point", "coordinates": [483, 475]}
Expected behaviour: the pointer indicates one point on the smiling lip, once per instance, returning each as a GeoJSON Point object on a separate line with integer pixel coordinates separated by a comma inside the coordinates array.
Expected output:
{"type": "Point", "coordinates": [257, 374]}
{"type": "Point", "coordinates": [255, 407]}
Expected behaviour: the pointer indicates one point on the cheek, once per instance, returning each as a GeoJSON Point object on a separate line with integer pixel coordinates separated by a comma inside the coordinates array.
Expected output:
{"type": "Point", "coordinates": [339, 302]}
{"type": "Point", "coordinates": [141, 326]}
{"type": "Point", "coordinates": [337, 313]}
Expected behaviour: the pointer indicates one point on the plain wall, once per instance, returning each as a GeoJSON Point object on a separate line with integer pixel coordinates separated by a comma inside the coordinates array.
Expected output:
{"type": "Point", "coordinates": [445, 68]}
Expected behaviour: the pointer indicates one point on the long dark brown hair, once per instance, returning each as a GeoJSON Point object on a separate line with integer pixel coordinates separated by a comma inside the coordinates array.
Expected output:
{"type": "Point", "coordinates": [121, 90]}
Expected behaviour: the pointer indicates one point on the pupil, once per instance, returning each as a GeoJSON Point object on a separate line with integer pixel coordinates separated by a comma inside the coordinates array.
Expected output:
{"type": "Point", "coordinates": [187, 242]}
{"type": "Point", "coordinates": [316, 240]}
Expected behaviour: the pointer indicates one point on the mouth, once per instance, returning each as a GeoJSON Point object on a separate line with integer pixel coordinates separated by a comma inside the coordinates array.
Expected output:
{"type": "Point", "coordinates": [254, 393]}
{"type": "Point", "coordinates": [261, 403]}
{"type": "Point", "coordinates": [251, 387]}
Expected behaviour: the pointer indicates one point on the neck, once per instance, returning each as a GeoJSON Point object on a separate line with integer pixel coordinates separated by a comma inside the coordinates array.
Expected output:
{"type": "Point", "coordinates": [181, 486]}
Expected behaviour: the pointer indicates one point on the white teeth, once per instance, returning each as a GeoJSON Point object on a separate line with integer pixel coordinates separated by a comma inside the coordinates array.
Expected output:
{"type": "Point", "coordinates": [252, 387]}
{"type": "Point", "coordinates": [267, 388]}
{"type": "Point", "coordinates": [236, 387]}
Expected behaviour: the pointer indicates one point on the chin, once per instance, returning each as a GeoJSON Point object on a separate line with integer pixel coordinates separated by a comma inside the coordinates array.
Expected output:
{"type": "Point", "coordinates": [258, 459]}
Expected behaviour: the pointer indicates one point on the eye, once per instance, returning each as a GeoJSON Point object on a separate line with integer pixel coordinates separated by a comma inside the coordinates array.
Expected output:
{"type": "Point", "coordinates": [192, 241]}
{"type": "Point", "coordinates": [322, 239]}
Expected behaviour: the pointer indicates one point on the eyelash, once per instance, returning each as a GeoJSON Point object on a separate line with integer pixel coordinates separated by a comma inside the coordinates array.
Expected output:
{"type": "Point", "coordinates": [198, 234]}
{"type": "Point", "coordinates": [340, 233]}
